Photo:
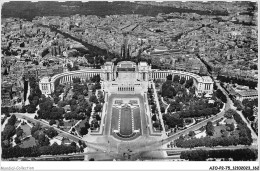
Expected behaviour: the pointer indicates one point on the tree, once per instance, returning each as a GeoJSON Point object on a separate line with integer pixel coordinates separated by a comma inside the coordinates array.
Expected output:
{"type": "Point", "coordinates": [56, 100]}
{"type": "Point", "coordinates": [93, 99]}
{"type": "Point", "coordinates": [56, 113]}
{"type": "Point", "coordinates": [97, 85]}
{"type": "Point", "coordinates": [88, 112]}
{"type": "Point", "coordinates": [52, 121]}
{"type": "Point", "coordinates": [192, 90]}
{"type": "Point", "coordinates": [78, 89]}
{"type": "Point", "coordinates": [98, 118]}
{"type": "Point", "coordinates": [156, 124]}
{"type": "Point", "coordinates": [87, 125]}
{"type": "Point", "coordinates": [83, 131]}
{"type": "Point", "coordinates": [210, 128]}
{"type": "Point", "coordinates": [170, 92]}
{"type": "Point", "coordinates": [45, 108]}
{"type": "Point", "coordinates": [176, 78]}
{"type": "Point", "coordinates": [8, 132]}
{"type": "Point", "coordinates": [43, 140]}
{"type": "Point", "coordinates": [5, 144]}
{"type": "Point", "coordinates": [85, 92]}
{"type": "Point", "coordinates": [69, 67]}
{"type": "Point", "coordinates": [62, 103]}
{"type": "Point", "coordinates": [229, 113]}
{"type": "Point", "coordinates": [98, 108]}
{"type": "Point", "coordinates": [80, 143]}
{"type": "Point", "coordinates": [5, 110]}
{"type": "Point", "coordinates": [34, 101]}
{"type": "Point", "coordinates": [17, 140]}
{"type": "Point", "coordinates": [95, 124]}
{"type": "Point", "coordinates": [76, 80]}
{"type": "Point", "coordinates": [51, 132]}
{"type": "Point", "coordinates": [23, 109]}
{"type": "Point", "coordinates": [81, 98]}
{"type": "Point", "coordinates": [169, 77]}
{"type": "Point", "coordinates": [182, 81]}
{"type": "Point", "coordinates": [174, 106]}
{"type": "Point", "coordinates": [224, 133]}
{"type": "Point", "coordinates": [189, 83]}
{"type": "Point", "coordinates": [221, 96]}
{"type": "Point", "coordinates": [192, 134]}
{"type": "Point", "coordinates": [230, 127]}
{"type": "Point", "coordinates": [12, 120]}
{"type": "Point", "coordinates": [236, 155]}
{"type": "Point", "coordinates": [19, 132]}
{"type": "Point", "coordinates": [96, 79]}
{"type": "Point", "coordinates": [73, 102]}
{"type": "Point", "coordinates": [73, 144]}
{"type": "Point", "coordinates": [154, 117]}
{"type": "Point", "coordinates": [35, 128]}
{"type": "Point", "coordinates": [153, 108]}
{"type": "Point", "coordinates": [173, 120]}
{"type": "Point", "coordinates": [31, 108]}
{"type": "Point", "coordinates": [162, 109]}
{"type": "Point", "coordinates": [37, 91]}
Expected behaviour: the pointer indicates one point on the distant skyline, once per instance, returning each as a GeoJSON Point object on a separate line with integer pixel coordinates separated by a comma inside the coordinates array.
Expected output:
{"type": "Point", "coordinates": [29, 10]}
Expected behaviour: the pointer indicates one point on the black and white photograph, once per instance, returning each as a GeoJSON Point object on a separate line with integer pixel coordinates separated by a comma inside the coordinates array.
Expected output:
{"type": "Point", "coordinates": [129, 85]}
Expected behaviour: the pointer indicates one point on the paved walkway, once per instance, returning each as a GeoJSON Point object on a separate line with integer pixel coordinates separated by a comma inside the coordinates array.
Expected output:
{"type": "Point", "coordinates": [231, 106]}
{"type": "Point", "coordinates": [96, 146]}
{"type": "Point", "coordinates": [159, 110]}
{"type": "Point", "coordinates": [168, 105]}
{"type": "Point", "coordinates": [5, 122]}
{"type": "Point", "coordinates": [28, 94]}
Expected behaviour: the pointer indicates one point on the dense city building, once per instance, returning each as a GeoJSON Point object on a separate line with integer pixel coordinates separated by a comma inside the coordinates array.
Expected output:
{"type": "Point", "coordinates": [106, 81]}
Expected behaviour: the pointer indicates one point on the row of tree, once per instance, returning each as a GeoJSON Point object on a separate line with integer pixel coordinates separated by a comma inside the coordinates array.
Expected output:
{"type": "Point", "coordinates": [41, 136]}
{"type": "Point", "coordinates": [236, 155]}
{"type": "Point", "coordinates": [170, 91]}
{"type": "Point", "coordinates": [173, 120]}
{"type": "Point", "coordinates": [221, 96]}
{"type": "Point", "coordinates": [36, 151]}
{"type": "Point", "coordinates": [211, 142]}
{"type": "Point", "coordinates": [57, 92]}
{"type": "Point", "coordinates": [84, 130]}
{"type": "Point", "coordinates": [234, 80]}
{"type": "Point", "coordinates": [181, 80]}
{"type": "Point", "coordinates": [242, 135]}
{"type": "Point", "coordinates": [199, 113]}
{"type": "Point", "coordinates": [9, 129]}
{"type": "Point", "coordinates": [176, 119]}
{"type": "Point", "coordinates": [12, 109]}
{"type": "Point", "coordinates": [248, 110]}
{"type": "Point", "coordinates": [35, 95]}
{"type": "Point", "coordinates": [74, 68]}
{"type": "Point", "coordinates": [48, 111]}
{"type": "Point", "coordinates": [79, 88]}
{"type": "Point", "coordinates": [151, 101]}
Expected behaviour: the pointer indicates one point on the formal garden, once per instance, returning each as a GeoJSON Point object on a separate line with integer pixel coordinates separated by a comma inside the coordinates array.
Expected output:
{"type": "Point", "coordinates": [21, 138]}
{"type": "Point", "coordinates": [183, 107]}
{"type": "Point", "coordinates": [154, 110]}
{"type": "Point", "coordinates": [75, 108]}
{"type": "Point", "coordinates": [222, 155]}
{"type": "Point", "coordinates": [231, 130]}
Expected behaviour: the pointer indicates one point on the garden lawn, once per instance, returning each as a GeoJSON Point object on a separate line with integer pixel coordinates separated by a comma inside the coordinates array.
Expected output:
{"type": "Point", "coordinates": [26, 129]}
{"type": "Point", "coordinates": [81, 124]}
{"type": "Point", "coordinates": [68, 125]}
{"type": "Point", "coordinates": [217, 132]}
{"type": "Point", "coordinates": [30, 142]}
